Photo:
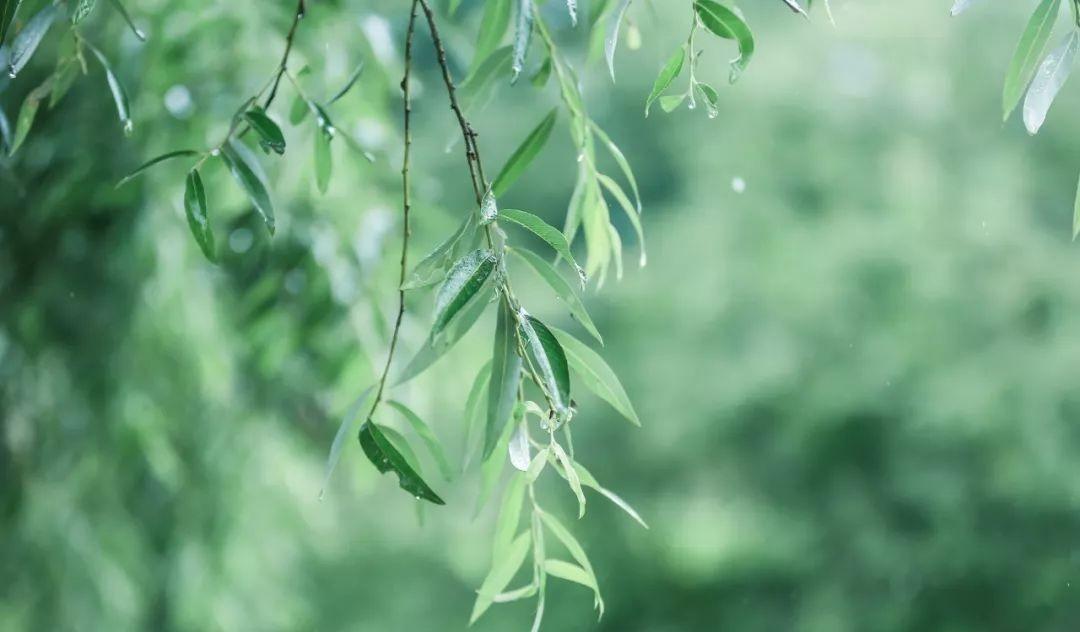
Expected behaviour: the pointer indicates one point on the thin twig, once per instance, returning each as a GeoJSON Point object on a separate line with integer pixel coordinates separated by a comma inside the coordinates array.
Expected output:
{"type": "Point", "coordinates": [301, 10]}
{"type": "Point", "coordinates": [405, 205]}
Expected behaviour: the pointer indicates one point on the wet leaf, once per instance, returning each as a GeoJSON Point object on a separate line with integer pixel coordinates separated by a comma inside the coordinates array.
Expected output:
{"type": "Point", "coordinates": [571, 475]}
{"type": "Point", "coordinates": [270, 136]}
{"type": "Point", "coordinates": [82, 9]}
{"type": "Point", "coordinates": [432, 268]}
{"type": "Point", "coordinates": [548, 359]}
{"type": "Point", "coordinates": [386, 458]}
{"type": "Point", "coordinates": [464, 280]}
{"type": "Point", "coordinates": [27, 40]}
{"type": "Point", "coordinates": [27, 113]}
{"type": "Point", "coordinates": [1052, 74]}
{"type": "Point", "coordinates": [7, 14]}
{"type": "Point", "coordinates": [522, 37]}
{"type": "Point", "coordinates": [611, 39]}
{"type": "Point", "coordinates": [669, 102]}
{"type": "Point", "coordinates": [437, 345]}
{"type": "Point", "coordinates": [1028, 52]}
{"type": "Point", "coordinates": [120, 98]}
{"type": "Point", "coordinates": [728, 23]}
{"type": "Point", "coordinates": [620, 159]}
{"type": "Point", "coordinates": [198, 220]}
{"type": "Point", "coordinates": [353, 78]}
{"type": "Point", "coordinates": [127, 18]}
{"type": "Point", "coordinates": [248, 174]}
{"type": "Point", "coordinates": [519, 448]}
{"type": "Point", "coordinates": [631, 213]}
{"type": "Point", "coordinates": [493, 26]}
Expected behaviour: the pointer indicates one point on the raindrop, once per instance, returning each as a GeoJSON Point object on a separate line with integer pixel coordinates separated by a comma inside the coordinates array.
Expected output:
{"type": "Point", "coordinates": [738, 185]}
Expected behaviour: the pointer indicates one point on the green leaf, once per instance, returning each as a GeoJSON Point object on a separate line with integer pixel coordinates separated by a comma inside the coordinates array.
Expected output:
{"type": "Point", "coordinates": [620, 159]}
{"type": "Point", "coordinates": [343, 431]}
{"type": "Point", "coordinates": [82, 9]}
{"type": "Point", "coordinates": [571, 476]}
{"type": "Point", "coordinates": [669, 102]}
{"type": "Point", "coordinates": [506, 525]}
{"type": "Point", "coordinates": [28, 39]}
{"type": "Point", "coordinates": [155, 160]}
{"type": "Point", "coordinates": [270, 136]}
{"type": "Point", "coordinates": [474, 418]}
{"type": "Point", "coordinates": [536, 466]}
{"type": "Point", "coordinates": [436, 346]}
{"type": "Point", "coordinates": [1028, 52]}
{"type": "Point", "coordinates": [524, 154]}
{"type": "Point", "coordinates": [386, 458]}
{"type": "Point", "coordinates": [7, 14]}
{"type": "Point", "coordinates": [596, 375]}
{"type": "Point", "coordinates": [479, 85]}
{"type": "Point", "coordinates": [353, 78]}
{"type": "Point", "coordinates": [570, 572]}
{"type": "Point", "coordinates": [631, 213]}
{"type": "Point", "coordinates": [127, 18]}
{"type": "Point", "coordinates": [195, 208]}
{"type": "Point", "coordinates": [545, 231]}
{"type": "Point", "coordinates": [563, 290]}
{"type": "Point", "coordinates": [464, 280]}
{"type": "Point", "coordinates": [1052, 74]}
{"type": "Point", "coordinates": [540, 78]}
{"type": "Point", "coordinates": [427, 436]}
{"type": "Point", "coordinates": [611, 39]}
{"type": "Point", "coordinates": [522, 37]}
{"type": "Point", "coordinates": [5, 132]}
{"type": "Point", "coordinates": [588, 480]}
{"type": "Point", "coordinates": [726, 22]}
{"type": "Point", "coordinates": [489, 209]}
{"type": "Point", "coordinates": [323, 160]}
{"type": "Point", "coordinates": [493, 467]}
{"type": "Point", "coordinates": [524, 592]}
{"type": "Point", "coordinates": [548, 359]}
{"type": "Point", "coordinates": [120, 98]}
{"type": "Point", "coordinates": [492, 28]}
{"type": "Point", "coordinates": [432, 268]}
{"type": "Point", "coordinates": [505, 375]}
{"type": "Point", "coordinates": [502, 572]}
{"type": "Point", "coordinates": [574, 548]}
{"type": "Point", "coordinates": [27, 113]}
{"type": "Point", "coordinates": [247, 173]}
{"type": "Point", "coordinates": [67, 70]}
{"type": "Point", "coordinates": [298, 110]}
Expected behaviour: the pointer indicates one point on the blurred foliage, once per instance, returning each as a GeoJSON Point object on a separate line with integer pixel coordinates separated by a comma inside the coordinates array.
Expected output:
{"type": "Point", "coordinates": [857, 377]}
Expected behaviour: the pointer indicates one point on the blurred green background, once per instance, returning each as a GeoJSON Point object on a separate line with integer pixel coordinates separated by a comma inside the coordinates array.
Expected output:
{"type": "Point", "coordinates": [857, 377]}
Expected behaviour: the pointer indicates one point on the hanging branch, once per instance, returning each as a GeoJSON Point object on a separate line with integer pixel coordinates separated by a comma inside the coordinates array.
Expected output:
{"type": "Point", "coordinates": [405, 206]}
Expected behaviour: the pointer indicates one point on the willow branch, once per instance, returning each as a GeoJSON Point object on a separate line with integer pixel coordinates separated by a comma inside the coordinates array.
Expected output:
{"type": "Point", "coordinates": [405, 204]}
{"type": "Point", "coordinates": [301, 9]}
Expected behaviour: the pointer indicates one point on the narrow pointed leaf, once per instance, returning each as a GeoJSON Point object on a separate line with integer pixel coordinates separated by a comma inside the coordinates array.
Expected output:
{"type": "Point", "coordinates": [432, 268]}
{"type": "Point", "coordinates": [464, 280]}
{"type": "Point", "coordinates": [563, 290]}
{"type": "Point", "coordinates": [620, 159]}
{"type": "Point", "coordinates": [7, 15]}
{"type": "Point", "coordinates": [436, 346]}
{"type": "Point", "coordinates": [596, 375]}
{"type": "Point", "coordinates": [247, 173]}
{"type": "Point", "coordinates": [543, 230]}
{"type": "Point", "coordinates": [524, 155]}
{"type": "Point", "coordinates": [27, 40]}
{"type": "Point", "coordinates": [522, 37]}
{"type": "Point", "coordinates": [270, 136]}
{"type": "Point", "coordinates": [82, 9]}
{"type": "Point", "coordinates": [588, 480]}
{"type": "Point", "coordinates": [1052, 74]}
{"type": "Point", "coordinates": [179, 153]}
{"type": "Point", "coordinates": [569, 572]}
{"type": "Point", "coordinates": [726, 22]}
{"type": "Point", "coordinates": [353, 78]}
{"type": "Point", "coordinates": [570, 542]}
{"type": "Point", "coordinates": [475, 412]}
{"type": "Point", "coordinates": [492, 468]}
{"type": "Point", "coordinates": [506, 525]}
{"type": "Point", "coordinates": [386, 458]}
{"type": "Point", "coordinates": [611, 39]}
{"type": "Point", "coordinates": [27, 114]}
{"type": "Point", "coordinates": [502, 572]}
{"type": "Point", "coordinates": [571, 476]}
{"type": "Point", "coordinates": [477, 88]}
{"type": "Point", "coordinates": [519, 448]}
{"type": "Point", "coordinates": [198, 220]}
{"type": "Point", "coordinates": [298, 111]}
{"type": "Point", "coordinates": [427, 436]}
{"type": "Point", "coordinates": [493, 26]}
{"type": "Point", "coordinates": [548, 359]}
{"type": "Point", "coordinates": [669, 102]}
{"type": "Point", "coordinates": [120, 98]}
{"type": "Point", "coordinates": [127, 18]}
{"type": "Point", "coordinates": [631, 213]}
{"type": "Point", "coordinates": [343, 432]}
{"type": "Point", "coordinates": [1028, 52]}
{"type": "Point", "coordinates": [505, 375]}
{"type": "Point", "coordinates": [536, 466]}
{"type": "Point", "coordinates": [323, 160]}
